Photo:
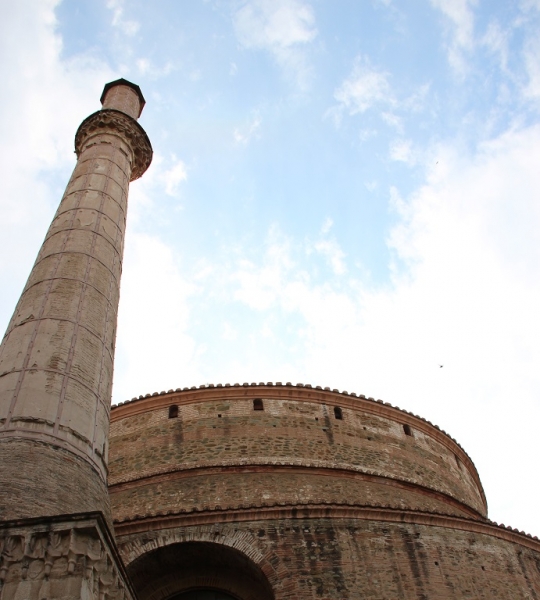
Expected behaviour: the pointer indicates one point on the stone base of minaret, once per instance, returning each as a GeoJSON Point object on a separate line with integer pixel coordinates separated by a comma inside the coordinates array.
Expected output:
{"type": "Point", "coordinates": [62, 558]}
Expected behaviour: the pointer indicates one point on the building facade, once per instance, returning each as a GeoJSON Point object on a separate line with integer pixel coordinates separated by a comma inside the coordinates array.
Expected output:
{"type": "Point", "coordinates": [252, 492]}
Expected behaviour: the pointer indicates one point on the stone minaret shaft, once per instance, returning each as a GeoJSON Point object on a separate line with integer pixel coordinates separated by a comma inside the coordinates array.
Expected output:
{"type": "Point", "coordinates": [56, 358]}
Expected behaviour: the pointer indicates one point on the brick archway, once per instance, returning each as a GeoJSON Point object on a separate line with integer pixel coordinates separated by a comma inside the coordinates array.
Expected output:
{"type": "Point", "coordinates": [133, 545]}
{"type": "Point", "coordinates": [169, 571]}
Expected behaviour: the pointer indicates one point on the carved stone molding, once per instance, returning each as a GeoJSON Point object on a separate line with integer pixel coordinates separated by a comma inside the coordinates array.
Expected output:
{"type": "Point", "coordinates": [118, 123]}
{"type": "Point", "coordinates": [69, 557]}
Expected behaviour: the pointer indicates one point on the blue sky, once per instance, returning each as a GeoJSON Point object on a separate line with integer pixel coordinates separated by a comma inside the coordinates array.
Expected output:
{"type": "Point", "coordinates": [343, 193]}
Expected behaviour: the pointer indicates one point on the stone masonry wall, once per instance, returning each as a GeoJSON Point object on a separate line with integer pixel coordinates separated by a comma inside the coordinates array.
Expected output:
{"type": "Point", "coordinates": [294, 450]}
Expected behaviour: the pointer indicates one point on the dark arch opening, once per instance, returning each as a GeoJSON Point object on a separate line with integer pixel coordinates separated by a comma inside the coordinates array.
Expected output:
{"type": "Point", "coordinates": [204, 595]}
{"type": "Point", "coordinates": [176, 571]}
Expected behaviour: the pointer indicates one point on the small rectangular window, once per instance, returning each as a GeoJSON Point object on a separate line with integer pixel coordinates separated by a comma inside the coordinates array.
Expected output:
{"type": "Point", "coordinates": [407, 429]}
{"type": "Point", "coordinates": [173, 411]}
{"type": "Point", "coordinates": [338, 413]}
{"type": "Point", "coordinates": [258, 404]}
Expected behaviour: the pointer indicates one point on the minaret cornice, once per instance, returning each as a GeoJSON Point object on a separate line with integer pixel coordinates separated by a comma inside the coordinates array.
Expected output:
{"type": "Point", "coordinates": [110, 121]}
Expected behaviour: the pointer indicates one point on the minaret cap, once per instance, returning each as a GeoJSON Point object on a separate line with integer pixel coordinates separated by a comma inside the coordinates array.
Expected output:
{"type": "Point", "coordinates": [125, 82]}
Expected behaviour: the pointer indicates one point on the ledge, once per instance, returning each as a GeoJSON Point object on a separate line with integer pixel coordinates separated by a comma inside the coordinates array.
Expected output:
{"type": "Point", "coordinates": [145, 523]}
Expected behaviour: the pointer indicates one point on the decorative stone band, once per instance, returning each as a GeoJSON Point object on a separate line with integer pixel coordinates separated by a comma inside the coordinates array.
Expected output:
{"type": "Point", "coordinates": [169, 523]}
{"type": "Point", "coordinates": [61, 557]}
{"type": "Point", "coordinates": [114, 122]}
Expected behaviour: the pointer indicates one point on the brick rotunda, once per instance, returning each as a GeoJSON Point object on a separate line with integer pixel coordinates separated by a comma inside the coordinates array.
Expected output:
{"type": "Point", "coordinates": [266, 491]}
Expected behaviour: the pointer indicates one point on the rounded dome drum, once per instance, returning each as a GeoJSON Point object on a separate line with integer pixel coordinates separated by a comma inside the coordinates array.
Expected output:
{"type": "Point", "coordinates": [262, 445]}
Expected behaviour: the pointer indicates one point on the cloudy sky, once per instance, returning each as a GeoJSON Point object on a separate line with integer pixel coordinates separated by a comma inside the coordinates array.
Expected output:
{"type": "Point", "coordinates": [344, 193]}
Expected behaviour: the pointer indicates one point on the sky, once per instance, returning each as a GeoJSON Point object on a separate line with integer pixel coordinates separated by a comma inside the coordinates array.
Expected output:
{"type": "Point", "coordinates": [345, 194]}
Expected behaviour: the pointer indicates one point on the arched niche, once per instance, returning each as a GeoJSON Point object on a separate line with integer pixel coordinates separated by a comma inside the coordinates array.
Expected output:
{"type": "Point", "coordinates": [170, 572]}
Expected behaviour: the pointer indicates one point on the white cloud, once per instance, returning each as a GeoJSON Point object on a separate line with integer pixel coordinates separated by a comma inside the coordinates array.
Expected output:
{"type": "Point", "coordinates": [244, 134]}
{"type": "Point", "coordinates": [128, 26]}
{"type": "Point", "coordinates": [531, 56]}
{"type": "Point", "coordinates": [460, 18]}
{"type": "Point", "coordinates": [366, 87]}
{"type": "Point", "coordinates": [275, 24]}
{"type": "Point", "coordinates": [147, 68]}
{"type": "Point", "coordinates": [527, 24]}
{"type": "Point", "coordinates": [372, 185]}
{"type": "Point", "coordinates": [469, 302]}
{"type": "Point", "coordinates": [365, 134]}
{"type": "Point", "coordinates": [334, 255]}
{"type": "Point", "coordinates": [401, 150]}
{"type": "Point", "coordinates": [174, 176]}
{"type": "Point", "coordinates": [281, 27]}
{"type": "Point", "coordinates": [329, 249]}
{"type": "Point", "coordinates": [257, 284]}
{"type": "Point", "coordinates": [417, 100]}
{"type": "Point", "coordinates": [496, 40]}
{"type": "Point", "coordinates": [393, 120]}
{"type": "Point", "coordinates": [527, 5]}
{"type": "Point", "coordinates": [229, 332]}
{"type": "Point", "coordinates": [327, 225]}
{"type": "Point", "coordinates": [154, 352]}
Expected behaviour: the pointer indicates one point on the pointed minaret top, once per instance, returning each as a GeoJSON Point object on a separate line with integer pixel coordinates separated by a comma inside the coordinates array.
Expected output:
{"type": "Point", "coordinates": [125, 96]}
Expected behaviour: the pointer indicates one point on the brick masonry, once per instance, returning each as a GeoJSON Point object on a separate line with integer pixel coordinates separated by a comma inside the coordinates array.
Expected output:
{"type": "Point", "coordinates": [298, 430]}
{"type": "Point", "coordinates": [346, 558]}
{"type": "Point", "coordinates": [377, 504]}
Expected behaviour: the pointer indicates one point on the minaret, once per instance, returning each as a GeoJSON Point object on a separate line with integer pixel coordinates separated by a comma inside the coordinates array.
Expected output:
{"type": "Point", "coordinates": [56, 358]}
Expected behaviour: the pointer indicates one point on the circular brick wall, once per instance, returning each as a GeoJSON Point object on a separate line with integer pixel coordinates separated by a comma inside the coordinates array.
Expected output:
{"type": "Point", "coordinates": [321, 494]}
{"type": "Point", "coordinates": [245, 446]}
